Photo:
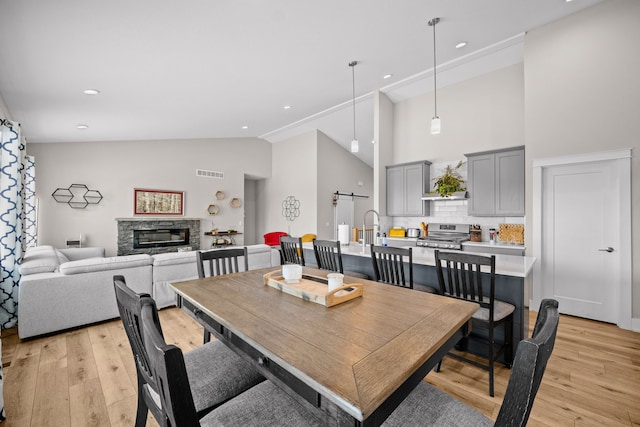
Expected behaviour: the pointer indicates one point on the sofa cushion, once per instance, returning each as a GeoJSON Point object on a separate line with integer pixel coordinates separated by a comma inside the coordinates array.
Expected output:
{"type": "Point", "coordinates": [173, 258]}
{"type": "Point", "coordinates": [39, 259]}
{"type": "Point", "coordinates": [101, 264]}
{"type": "Point", "coordinates": [75, 254]}
{"type": "Point", "coordinates": [62, 258]}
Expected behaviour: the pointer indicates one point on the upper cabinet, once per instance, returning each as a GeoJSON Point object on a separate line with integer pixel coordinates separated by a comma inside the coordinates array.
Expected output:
{"type": "Point", "coordinates": [496, 182]}
{"type": "Point", "coordinates": [406, 184]}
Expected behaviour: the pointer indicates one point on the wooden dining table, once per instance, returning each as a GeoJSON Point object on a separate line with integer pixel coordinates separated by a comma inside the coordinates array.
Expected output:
{"type": "Point", "coordinates": [353, 363]}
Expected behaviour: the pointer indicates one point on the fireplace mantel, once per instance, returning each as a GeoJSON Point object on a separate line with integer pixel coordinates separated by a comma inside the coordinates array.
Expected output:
{"type": "Point", "coordinates": [127, 225]}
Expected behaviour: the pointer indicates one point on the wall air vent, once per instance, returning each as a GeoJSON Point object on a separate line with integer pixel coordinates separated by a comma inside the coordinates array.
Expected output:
{"type": "Point", "coordinates": [209, 174]}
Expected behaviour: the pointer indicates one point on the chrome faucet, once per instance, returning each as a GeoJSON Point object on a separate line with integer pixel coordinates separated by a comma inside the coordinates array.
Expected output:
{"type": "Point", "coordinates": [364, 227]}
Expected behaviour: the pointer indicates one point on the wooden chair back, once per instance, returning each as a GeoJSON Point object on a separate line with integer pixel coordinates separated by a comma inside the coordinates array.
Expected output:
{"type": "Point", "coordinates": [459, 276]}
{"type": "Point", "coordinates": [291, 250]}
{"type": "Point", "coordinates": [129, 306]}
{"type": "Point", "coordinates": [168, 374]}
{"type": "Point", "coordinates": [328, 255]}
{"type": "Point", "coordinates": [221, 261]}
{"type": "Point", "coordinates": [393, 265]}
{"type": "Point", "coordinates": [529, 365]}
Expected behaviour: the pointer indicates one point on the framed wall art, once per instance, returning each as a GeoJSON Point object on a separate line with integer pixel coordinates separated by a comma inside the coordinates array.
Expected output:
{"type": "Point", "coordinates": [158, 202]}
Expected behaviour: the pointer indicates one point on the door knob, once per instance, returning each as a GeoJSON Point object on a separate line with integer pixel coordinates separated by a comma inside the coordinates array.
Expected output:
{"type": "Point", "coordinates": [609, 249]}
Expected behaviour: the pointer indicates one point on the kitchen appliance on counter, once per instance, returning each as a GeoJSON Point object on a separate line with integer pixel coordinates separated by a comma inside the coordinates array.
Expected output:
{"type": "Point", "coordinates": [413, 232]}
{"type": "Point", "coordinates": [445, 236]}
{"type": "Point", "coordinates": [397, 232]}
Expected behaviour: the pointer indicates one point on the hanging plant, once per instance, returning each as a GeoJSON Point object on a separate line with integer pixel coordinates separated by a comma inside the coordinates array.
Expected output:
{"type": "Point", "coordinates": [450, 181]}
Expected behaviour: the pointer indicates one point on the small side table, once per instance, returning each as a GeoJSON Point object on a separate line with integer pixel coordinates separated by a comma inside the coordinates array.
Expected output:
{"type": "Point", "coordinates": [226, 236]}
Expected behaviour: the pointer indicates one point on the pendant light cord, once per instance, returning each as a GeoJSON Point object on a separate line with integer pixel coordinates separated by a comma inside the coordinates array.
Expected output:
{"type": "Point", "coordinates": [433, 23]}
{"type": "Point", "coordinates": [353, 85]}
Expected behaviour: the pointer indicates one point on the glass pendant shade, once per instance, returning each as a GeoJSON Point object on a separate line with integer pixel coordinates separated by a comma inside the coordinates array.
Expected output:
{"type": "Point", "coordinates": [354, 145]}
{"type": "Point", "coordinates": [435, 125]}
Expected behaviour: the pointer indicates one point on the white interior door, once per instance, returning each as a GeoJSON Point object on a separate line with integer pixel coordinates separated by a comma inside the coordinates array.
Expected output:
{"type": "Point", "coordinates": [582, 254]}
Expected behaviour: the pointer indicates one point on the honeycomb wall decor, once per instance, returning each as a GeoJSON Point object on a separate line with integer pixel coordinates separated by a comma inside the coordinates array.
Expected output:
{"type": "Point", "coordinates": [77, 196]}
{"type": "Point", "coordinates": [291, 208]}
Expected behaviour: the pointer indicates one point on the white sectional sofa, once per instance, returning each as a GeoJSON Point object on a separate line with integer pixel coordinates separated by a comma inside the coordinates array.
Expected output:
{"type": "Point", "coordinates": [66, 288]}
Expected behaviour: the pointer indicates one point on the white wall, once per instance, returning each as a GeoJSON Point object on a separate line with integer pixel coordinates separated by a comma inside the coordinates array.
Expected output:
{"type": "Point", "coordinates": [4, 110]}
{"type": "Point", "coordinates": [383, 150]}
{"type": "Point", "coordinates": [583, 94]}
{"type": "Point", "coordinates": [339, 170]}
{"type": "Point", "coordinates": [116, 168]}
{"type": "Point", "coordinates": [294, 174]}
{"type": "Point", "coordinates": [479, 114]}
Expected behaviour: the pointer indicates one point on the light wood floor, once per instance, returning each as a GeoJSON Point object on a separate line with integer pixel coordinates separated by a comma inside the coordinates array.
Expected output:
{"type": "Point", "coordinates": [86, 377]}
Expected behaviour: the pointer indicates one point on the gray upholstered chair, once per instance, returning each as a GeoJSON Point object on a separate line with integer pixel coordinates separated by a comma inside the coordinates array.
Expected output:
{"type": "Point", "coordinates": [428, 406]}
{"type": "Point", "coordinates": [394, 266]}
{"type": "Point", "coordinates": [217, 262]}
{"type": "Point", "coordinates": [460, 277]}
{"type": "Point", "coordinates": [215, 373]}
{"type": "Point", "coordinates": [262, 405]}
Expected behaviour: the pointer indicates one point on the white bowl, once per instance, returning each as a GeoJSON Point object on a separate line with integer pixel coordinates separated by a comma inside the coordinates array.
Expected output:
{"type": "Point", "coordinates": [292, 273]}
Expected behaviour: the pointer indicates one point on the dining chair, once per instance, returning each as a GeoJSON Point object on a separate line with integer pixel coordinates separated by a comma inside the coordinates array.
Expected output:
{"type": "Point", "coordinates": [264, 404]}
{"type": "Point", "coordinates": [217, 262]}
{"type": "Point", "coordinates": [394, 266]}
{"type": "Point", "coordinates": [329, 257]}
{"type": "Point", "coordinates": [215, 373]}
{"type": "Point", "coordinates": [426, 405]}
{"type": "Point", "coordinates": [291, 250]}
{"type": "Point", "coordinates": [460, 276]}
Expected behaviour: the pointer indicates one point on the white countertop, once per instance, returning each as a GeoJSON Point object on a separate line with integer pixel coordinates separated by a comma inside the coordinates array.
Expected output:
{"type": "Point", "coordinates": [506, 265]}
{"type": "Point", "coordinates": [504, 245]}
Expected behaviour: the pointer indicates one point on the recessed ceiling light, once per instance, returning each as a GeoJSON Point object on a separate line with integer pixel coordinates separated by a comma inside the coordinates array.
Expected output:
{"type": "Point", "coordinates": [81, 126]}
{"type": "Point", "coordinates": [373, 141]}
{"type": "Point", "coordinates": [91, 91]}
{"type": "Point", "coordinates": [461, 45]}
{"type": "Point", "coordinates": [387, 76]}
{"type": "Point", "coordinates": [245, 127]}
{"type": "Point", "coordinates": [287, 107]}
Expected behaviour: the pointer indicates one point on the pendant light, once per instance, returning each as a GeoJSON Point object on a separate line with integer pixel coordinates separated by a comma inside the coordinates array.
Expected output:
{"type": "Point", "coordinates": [435, 121]}
{"type": "Point", "coordinates": [354, 141]}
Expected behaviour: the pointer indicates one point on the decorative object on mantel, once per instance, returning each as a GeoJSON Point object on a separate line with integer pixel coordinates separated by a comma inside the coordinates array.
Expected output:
{"type": "Point", "coordinates": [450, 181]}
{"type": "Point", "coordinates": [435, 121]}
{"type": "Point", "coordinates": [158, 202]}
{"type": "Point", "coordinates": [77, 196]}
{"type": "Point", "coordinates": [291, 208]}
{"type": "Point", "coordinates": [219, 195]}
{"type": "Point", "coordinates": [213, 209]}
{"type": "Point", "coordinates": [235, 202]}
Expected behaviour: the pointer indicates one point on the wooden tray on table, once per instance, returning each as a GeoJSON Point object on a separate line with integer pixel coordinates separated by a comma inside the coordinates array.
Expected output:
{"type": "Point", "coordinates": [314, 289]}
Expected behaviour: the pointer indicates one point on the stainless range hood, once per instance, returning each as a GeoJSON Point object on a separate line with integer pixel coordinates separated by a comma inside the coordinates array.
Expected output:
{"type": "Point", "coordinates": [458, 195]}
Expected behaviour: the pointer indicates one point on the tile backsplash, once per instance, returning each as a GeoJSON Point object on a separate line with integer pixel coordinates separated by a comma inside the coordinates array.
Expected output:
{"type": "Point", "coordinates": [452, 212]}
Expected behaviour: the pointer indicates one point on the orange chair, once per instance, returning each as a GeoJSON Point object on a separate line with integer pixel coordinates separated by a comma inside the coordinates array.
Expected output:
{"type": "Point", "coordinates": [273, 238]}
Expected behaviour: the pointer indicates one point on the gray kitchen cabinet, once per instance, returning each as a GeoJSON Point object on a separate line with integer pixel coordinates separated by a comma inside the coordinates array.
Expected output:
{"type": "Point", "coordinates": [405, 185]}
{"type": "Point", "coordinates": [496, 182]}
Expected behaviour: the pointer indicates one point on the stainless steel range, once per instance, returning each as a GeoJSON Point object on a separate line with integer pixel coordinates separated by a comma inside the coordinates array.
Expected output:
{"type": "Point", "coordinates": [445, 236]}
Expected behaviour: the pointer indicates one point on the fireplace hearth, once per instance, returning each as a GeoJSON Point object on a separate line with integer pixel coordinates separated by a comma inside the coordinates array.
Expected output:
{"type": "Point", "coordinates": [154, 236]}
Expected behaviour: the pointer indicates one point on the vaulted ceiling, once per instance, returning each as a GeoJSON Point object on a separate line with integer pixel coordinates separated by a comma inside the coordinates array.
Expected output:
{"type": "Point", "coordinates": [230, 68]}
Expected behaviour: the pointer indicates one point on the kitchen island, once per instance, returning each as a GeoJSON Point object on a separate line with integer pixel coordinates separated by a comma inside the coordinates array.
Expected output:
{"type": "Point", "coordinates": [513, 277]}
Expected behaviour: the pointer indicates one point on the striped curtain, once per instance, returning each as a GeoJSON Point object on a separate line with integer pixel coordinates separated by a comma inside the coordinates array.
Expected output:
{"type": "Point", "coordinates": [12, 172]}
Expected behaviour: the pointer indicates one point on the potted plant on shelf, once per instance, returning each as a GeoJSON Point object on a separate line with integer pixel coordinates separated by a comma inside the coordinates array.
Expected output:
{"type": "Point", "coordinates": [450, 182]}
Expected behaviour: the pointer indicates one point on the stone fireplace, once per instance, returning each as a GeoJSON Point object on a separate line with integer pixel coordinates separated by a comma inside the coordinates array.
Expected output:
{"type": "Point", "coordinates": [157, 235]}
